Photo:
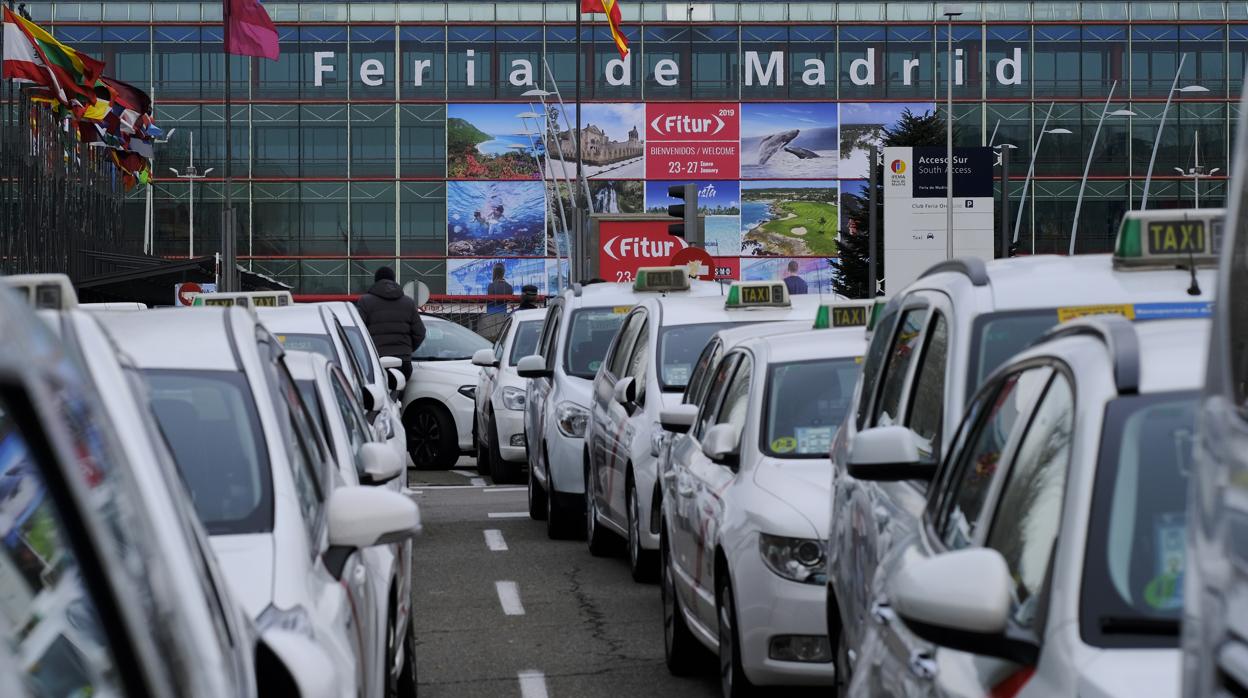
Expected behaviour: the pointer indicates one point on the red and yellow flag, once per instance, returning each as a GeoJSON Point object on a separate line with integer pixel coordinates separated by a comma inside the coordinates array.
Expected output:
{"type": "Point", "coordinates": [610, 8]}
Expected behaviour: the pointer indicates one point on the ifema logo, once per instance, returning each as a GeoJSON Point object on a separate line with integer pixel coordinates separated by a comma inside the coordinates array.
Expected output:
{"type": "Point", "coordinates": [899, 166]}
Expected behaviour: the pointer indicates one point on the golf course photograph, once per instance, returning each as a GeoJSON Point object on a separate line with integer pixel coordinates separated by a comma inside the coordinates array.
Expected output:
{"type": "Point", "coordinates": [790, 218]}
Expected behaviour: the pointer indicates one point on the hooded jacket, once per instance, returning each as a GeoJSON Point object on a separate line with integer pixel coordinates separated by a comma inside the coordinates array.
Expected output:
{"type": "Point", "coordinates": [392, 319]}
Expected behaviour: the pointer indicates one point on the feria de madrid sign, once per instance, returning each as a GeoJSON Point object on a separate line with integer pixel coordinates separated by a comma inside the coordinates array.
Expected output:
{"type": "Point", "coordinates": [764, 69]}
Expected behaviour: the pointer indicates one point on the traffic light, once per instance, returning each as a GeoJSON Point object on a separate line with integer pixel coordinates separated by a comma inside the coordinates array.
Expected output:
{"type": "Point", "coordinates": [687, 212]}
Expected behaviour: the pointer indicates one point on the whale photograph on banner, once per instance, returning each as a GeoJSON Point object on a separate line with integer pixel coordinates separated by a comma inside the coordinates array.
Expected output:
{"type": "Point", "coordinates": [789, 141]}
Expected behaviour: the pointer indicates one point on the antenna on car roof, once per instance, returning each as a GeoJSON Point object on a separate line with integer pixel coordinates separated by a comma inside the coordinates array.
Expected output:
{"type": "Point", "coordinates": [1194, 289]}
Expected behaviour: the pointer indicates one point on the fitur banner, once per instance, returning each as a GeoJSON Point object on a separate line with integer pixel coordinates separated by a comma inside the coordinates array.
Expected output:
{"type": "Point", "coordinates": [915, 205]}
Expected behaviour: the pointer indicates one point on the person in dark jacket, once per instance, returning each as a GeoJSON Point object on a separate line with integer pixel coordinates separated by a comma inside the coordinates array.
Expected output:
{"type": "Point", "coordinates": [796, 284]}
{"type": "Point", "coordinates": [392, 319]}
{"type": "Point", "coordinates": [528, 297]}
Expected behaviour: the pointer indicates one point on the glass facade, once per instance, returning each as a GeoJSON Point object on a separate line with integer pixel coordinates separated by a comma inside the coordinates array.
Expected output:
{"type": "Point", "coordinates": [363, 143]}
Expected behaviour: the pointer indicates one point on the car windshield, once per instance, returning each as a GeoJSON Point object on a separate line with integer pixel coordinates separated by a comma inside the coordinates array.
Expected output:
{"type": "Point", "coordinates": [446, 341]}
{"type": "Point", "coordinates": [679, 349]}
{"type": "Point", "coordinates": [210, 421]}
{"type": "Point", "coordinates": [525, 342]}
{"type": "Point", "coordinates": [805, 402]}
{"type": "Point", "coordinates": [590, 337]}
{"type": "Point", "coordinates": [360, 349]}
{"type": "Point", "coordinates": [998, 336]}
{"type": "Point", "coordinates": [1133, 571]}
{"type": "Point", "coordinates": [315, 343]}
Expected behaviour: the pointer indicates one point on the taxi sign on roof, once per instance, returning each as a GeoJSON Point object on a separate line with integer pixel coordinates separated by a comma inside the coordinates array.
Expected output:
{"type": "Point", "coordinates": [757, 294]}
{"type": "Point", "coordinates": [833, 315]}
{"type": "Point", "coordinates": [1169, 237]}
{"type": "Point", "coordinates": [661, 279]}
{"type": "Point", "coordinates": [248, 299]}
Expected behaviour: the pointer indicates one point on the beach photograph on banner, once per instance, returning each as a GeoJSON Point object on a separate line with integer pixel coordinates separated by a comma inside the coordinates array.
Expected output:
{"type": "Point", "coordinates": [817, 272]}
{"type": "Point", "coordinates": [789, 218]}
{"type": "Point", "coordinates": [863, 125]}
{"type": "Point", "coordinates": [613, 142]}
{"type": "Point", "coordinates": [789, 141]}
{"type": "Point", "coordinates": [472, 276]}
{"type": "Point", "coordinates": [491, 141]}
{"type": "Point", "coordinates": [719, 204]}
{"type": "Point", "coordinates": [495, 218]}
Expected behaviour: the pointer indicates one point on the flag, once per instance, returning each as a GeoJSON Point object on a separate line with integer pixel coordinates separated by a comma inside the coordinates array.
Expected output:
{"type": "Point", "coordinates": [32, 55]}
{"type": "Point", "coordinates": [249, 31]}
{"type": "Point", "coordinates": [610, 8]}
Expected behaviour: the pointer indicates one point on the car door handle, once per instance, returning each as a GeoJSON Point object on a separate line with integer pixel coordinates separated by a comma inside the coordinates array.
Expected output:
{"type": "Point", "coordinates": [882, 613]}
{"type": "Point", "coordinates": [922, 664]}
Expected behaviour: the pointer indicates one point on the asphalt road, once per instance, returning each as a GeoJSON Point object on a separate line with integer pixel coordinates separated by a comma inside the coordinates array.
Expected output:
{"type": "Point", "coordinates": [538, 618]}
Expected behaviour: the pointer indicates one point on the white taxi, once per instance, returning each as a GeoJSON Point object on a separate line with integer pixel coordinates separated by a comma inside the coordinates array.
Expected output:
{"type": "Point", "coordinates": [580, 323]}
{"type": "Point", "coordinates": [647, 366]}
{"type": "Point", "coordinates": [745, 511]}
{"type": "Point", "coordinates": [1050, 558]}
{"type": "Point", "coordinates": [933, 345]}
{"type": "Point", "coordinates": [499, 426]}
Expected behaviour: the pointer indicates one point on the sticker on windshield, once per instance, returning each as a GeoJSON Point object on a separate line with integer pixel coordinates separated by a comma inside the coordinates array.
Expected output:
{"type": "Point", "coordinates": [1165, 591]}
{"type": "Point", "coordinates": [783, 444]}
{"type": "Point", "coordinates": [1173, 311]}
{"type": "Point", "coordinates": [593, 365]}
{"type": "Point", "coordinates": [1075, 312]}
{"type": "Point", "coordinates": [621, 309]}
{"type": "Point", "coordinates": [813, 439]}
{"type": "Point", "coordinates": [677, 374]}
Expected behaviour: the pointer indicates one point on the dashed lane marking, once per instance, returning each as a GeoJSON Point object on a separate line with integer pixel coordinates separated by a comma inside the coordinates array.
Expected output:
{"type": "Point", "coordinates": [532, 684]}
{"type": "Point", "coordinates": [494, 540]}
{"type": "Point", "coordinates": [509, 597]}
{"type": "Point", "coordinates": [464, 473]}
{"type": "Point", "coordinates": [505, 489]}
{"type": "Point", "coordinates": [509, 514]}
{"type": "Point", "coordinates": [478, 482]}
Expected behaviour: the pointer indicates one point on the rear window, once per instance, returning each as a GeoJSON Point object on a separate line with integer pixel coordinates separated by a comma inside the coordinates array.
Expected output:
{"type": "Point", "coordinates": [998, 336]}
{"type": "Point", "coordinates": [525, 341]}
{"type": "Point", "coordinates": [679, 349]}
{"type": "Point", "coordinates": [447, 341]}
{"type": "Point", "coordinates": [589, 338]}
{"type": "Point", "coordinates": [315, 343]}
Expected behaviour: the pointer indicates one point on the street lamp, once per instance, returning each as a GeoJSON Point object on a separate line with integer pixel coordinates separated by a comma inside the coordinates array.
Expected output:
{"type": "Point", "coordinates": [1074, 228]}
{"type": "Point", "coordinates": [191, 175]}
{"type": "Point", "coordinates": [1031, 169]}
{"type": "Point", "coordinates": [1003, 159]}
{"type": "Point", "coordinates": [1197, 171]}
{"type": "Point", "coordinates": [1174, 87]}
{"type": "Point", "coordinates": [149, 220]}
{"type": "Point", "coordinates": [950, 11]}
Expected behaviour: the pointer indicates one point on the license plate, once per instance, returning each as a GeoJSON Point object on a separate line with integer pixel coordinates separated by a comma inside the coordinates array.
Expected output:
{"type": "Point", "coordinates": [755, 295]}
{"type": "Point", "coordinates": [1176, 237]}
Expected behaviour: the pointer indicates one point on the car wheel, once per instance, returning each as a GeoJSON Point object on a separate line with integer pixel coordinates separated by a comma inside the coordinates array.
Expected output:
{"type": "Point", "coordinates": [641, 562]}
{"type": "Point", "coordinates": [732, 681]}
{"type": "Point", "coordinates": [502, 472]}
{"type": "Point", "coordinates": [537, 498]}
{"type": "Point", "coordinates": [598, 538]}
{"type": "Point", "coordinates": [407, 677]}
{"type": "Point", "coordinates": [481, 452]}
{"type": "Point", "coordinates": [680, 647]}
{"type": "Point", "coordinates": [559, 524]}
{"type": "Point", "coordinates": [431, 438]}
{"type": "Point", "coordinates": [844, 672]}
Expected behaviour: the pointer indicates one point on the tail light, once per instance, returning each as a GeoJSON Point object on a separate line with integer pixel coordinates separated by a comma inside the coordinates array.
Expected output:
{"type": "Point", "coordinates": [1013, 684]}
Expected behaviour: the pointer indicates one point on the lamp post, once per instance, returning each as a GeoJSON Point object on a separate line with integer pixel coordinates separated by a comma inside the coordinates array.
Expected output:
{"type": "Point", "coordinates": [1083, 184]}
{"type": "Point", "coordinates": [191, 175]}
{"type": "Point", "coordinates": [1174, 87]}
{"type": "Point", "coordinates": [1003, 155]}
{"type": "Point", "coordinates": [1031, 170]}
{"type": "Point", "coordinates": [1197, 171]}
{"type": "Point", "coordinates": [950, 11]}
{"type": "Point", "coordinates": [149, 220]}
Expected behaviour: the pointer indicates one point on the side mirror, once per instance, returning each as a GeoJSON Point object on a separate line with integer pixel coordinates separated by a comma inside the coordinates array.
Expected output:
{"type": "Point", "coordinates": [484, 358]}
{"type": "Point", "coordinates": [374, 397]}
{"type": "Point", "coordinates": [391, 362]}
{"type": "Point", "coordinates": [625, 391]}
{"type": "Point", "coordinates": [379, 464]}
{"type": "Point", "coordinates": [311, 669]}
{"type": "Point", "coordinates": [887, 454]}
{"type": "Point", "coordinates": [395, 380]}
{"type": "Point", "coordinates": [532, 366]}
{"type": "Point", "coordinates": [678, 419]}
{"type": "Point", "coordinates": [722, 444]}
{"type": "Point", "coordinates": [961, 600]}
{"type": "Point", "coordinates": [361, 517]}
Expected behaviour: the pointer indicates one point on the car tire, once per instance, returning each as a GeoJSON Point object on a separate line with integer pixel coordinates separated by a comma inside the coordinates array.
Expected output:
{"type": "Point", "coordinates": [681, 649]}
{"type": "Point", "coordinates": [598, 538]}
{"type": "Point", "coordinates": [559, 521]}
{"type": "Point", "coordinates": [404, 685]}
{"type": "Point", "coordinates": [483, 458]}
{"type": "Point", "coordinates": [501, 471]}
{"type": "Point", "coordinates": [732, 680]}
{"type": "Point", "coordinates": [432, 441]}
{"type": "Point", "coordinates": [642, 563]}
{"type": "Point", "coordinates": [537, 498]}
{"type": "Point", "coordinates": [836, 636]}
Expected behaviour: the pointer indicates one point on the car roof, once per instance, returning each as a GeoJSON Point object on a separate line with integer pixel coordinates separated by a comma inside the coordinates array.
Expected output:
{"type": "Point", "coordinates": [344, 311]}
{"type": "Point", "coordinates": [844, 342]}
{"type": "Point", "coordinates": [294, 319]}
{"type": "Point", "coordinates": [684, 310]}
{"type": "Point", "coordinates": [1047, 281]}
{"type": "Point", "coordinates": [526, 315]}
{"type": "Point", "coordinates": [182, 337]}
{"type": "Point", "coordinates": [732, 336]}
{"type": "Point", "coordinates": [619, 293]}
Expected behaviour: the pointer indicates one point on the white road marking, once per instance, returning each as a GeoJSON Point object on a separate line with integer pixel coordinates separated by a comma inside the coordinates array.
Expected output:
{"type": "Point", "coordinates": [496, 488]}
{"type": "Point", "coordinates": [411, 492]}
{"type": "Point", "coordinates": [509, 597]}
{"type": "Point", "coordinates": [532, 684]}
{"type": "Point", "coordinates": [509, 514]}
{"type": "Point", "coordinates": [494, 540]}
{"type": "Point", "coordinates": [464, 473]}
{"type": "Point", "coordinates": [478, 482]}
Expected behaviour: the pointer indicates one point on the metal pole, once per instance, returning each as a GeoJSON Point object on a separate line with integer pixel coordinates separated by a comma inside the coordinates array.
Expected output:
{"type": "Point", "coordinates": [582, 180]}
{"type": "Point", "coordinates": [1005, 202]}
{"type": "Point", "coordinates": [228, 236]}
{"type": "Point", "coordinates": [1152, 159]}
{"type": "Point", "coordinates": [1087, 167]}
{"type": "Point", "coordinates": [580, 170]}
{"type": "Point", "coordinates": [949, 140]}
{"type": "Point", "coordinates": [1022, 202]}
{"type": "Point", "coordinates": [1196, 166]}
{"type": "Point", "coordinates": [873, 284]}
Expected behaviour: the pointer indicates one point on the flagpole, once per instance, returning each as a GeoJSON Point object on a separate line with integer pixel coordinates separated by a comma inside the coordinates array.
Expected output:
{"type": "Point", "coordinates": [228, 234]}
{"type": "Point", "coordinates": [579, 207]}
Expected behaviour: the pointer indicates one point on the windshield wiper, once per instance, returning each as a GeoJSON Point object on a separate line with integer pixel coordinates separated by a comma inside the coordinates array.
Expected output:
{"type": "Point", "coordinates": [1132, 625]}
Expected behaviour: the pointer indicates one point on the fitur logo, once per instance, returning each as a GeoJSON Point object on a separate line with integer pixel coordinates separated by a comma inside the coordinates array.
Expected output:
{"type": "Point", "coordinates": [899, 166]}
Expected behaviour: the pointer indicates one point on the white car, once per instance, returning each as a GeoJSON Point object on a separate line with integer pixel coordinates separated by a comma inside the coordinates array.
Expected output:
{"type": "Point", "coordinates": [288, 535]}
{"type": "Point", "coordinates": [932, 346]}
{"type": "Point", "coordinates": [647, 366]}
{"type": "Point", "coordinates": [1050, 557]}
{"type": "Point", "coordinates": [362, 459]}
{"type": "Point", "coordinates": [439, 400]}
{"type": "Point", "coordinates": [499, 426]}
{"type": "Point", "coordinates": [580, 323]}
{"type": "Point", "coordinates": [745, 511]}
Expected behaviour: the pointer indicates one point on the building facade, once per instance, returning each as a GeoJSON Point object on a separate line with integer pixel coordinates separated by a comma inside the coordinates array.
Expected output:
{"type": "Point", "coordinates": [400, 133]}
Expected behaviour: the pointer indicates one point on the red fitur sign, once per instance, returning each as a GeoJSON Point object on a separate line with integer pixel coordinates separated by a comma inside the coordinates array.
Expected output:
{"type": "Point", "coordinates": [626, 246]}
{"type": "Point", "coordinates": [693, 140]}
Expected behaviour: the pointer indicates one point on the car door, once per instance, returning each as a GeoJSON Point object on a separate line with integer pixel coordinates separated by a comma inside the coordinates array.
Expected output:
{"type": "Point", "coordinates": [537, 394]}
{"type": "Point", "coordinates": [487, 382]}
{"type": "Point", "coordinates": [609, 440]}
{"type": "Point", "coordinates": [991, 431]}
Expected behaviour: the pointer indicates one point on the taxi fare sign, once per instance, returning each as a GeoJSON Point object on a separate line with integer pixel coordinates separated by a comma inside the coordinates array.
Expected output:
{"type": "Point", "coordinates": [755, 295]}
{"type": "Point", "coordinates": [1177, 237]}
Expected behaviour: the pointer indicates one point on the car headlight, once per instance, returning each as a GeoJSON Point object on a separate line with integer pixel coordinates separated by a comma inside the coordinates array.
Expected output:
{"type": "Point", "coordinates": [294, 620]}
{"type": "Point", "coordinates": [798, 559]}
{"type": "Point", "coordinates": [572, 419]}
{"type": "Point", "coordinates": [468, 391]}
{"type": "Point", "coordinates": [657, 437]}
{"type": "Point", "coordinates": [513, 398]}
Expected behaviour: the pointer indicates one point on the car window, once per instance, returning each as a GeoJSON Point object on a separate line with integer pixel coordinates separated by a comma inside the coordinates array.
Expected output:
{"type": "Point", "coordinates": [621, 349]}
{"type": "Point", "coordinates": [1237, 308]}
{"type": "Point", "coordinates": [501, 340]}
{"type": "Point", "coordinates": [876, 354]}
{"type": "Point", "coordinates": [737, 395]}
{"type": "Point", "coordinates": [307, 390]}
{"type": "Point", "coordinates": [639, 362]}
{"type": "Point", "coordinates": [359, 347]}
{"type": "Point", "coordinates": [927, 399]}
{"type": "Point", "coordinates": [447, 341]}
{"type": "Point", "coordinates": [900, 354]}
{"type": "Point", "coordinates": [804, 403]}
{"type": "Point", "coordinates": [315, 343]}
{"type": "Point", "coordinates": [355, 368]}
{"type": "Point", "coordinates": [715, 392]}
{"type": "Point", "coordinates": [549, 327]}
{"type": "Point", "coordinates": [679, 348]}
{"type": "Point", "coordinates": [352, 418]}
{"type": "Point", "coordinates": [525, 341]}
{"type": "Point", "coordinates": [298, 439]}
{"type": "Point", "coordinates": [977, 466]}
{"type": "Point", "coordinates": [701, 376]}
{"type": "Point", "coordinates": [1029, 510]}
{"type": "Point", "coordinates": [998, 336]}
{"type": "Point", "coordinates": [589, 338]}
